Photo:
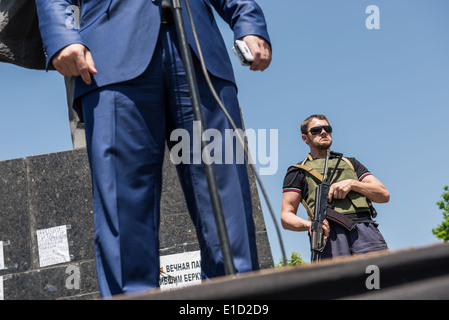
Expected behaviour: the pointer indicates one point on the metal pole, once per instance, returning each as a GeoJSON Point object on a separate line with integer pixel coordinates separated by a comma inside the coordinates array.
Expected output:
{"type": "Point", "coordinates": [198, 116]}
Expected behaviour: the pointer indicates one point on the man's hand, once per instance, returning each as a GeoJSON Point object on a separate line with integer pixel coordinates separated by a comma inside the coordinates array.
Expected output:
{"type": "Point", "coordinates": [75, 60]}
{"type": "Point", "coordinates": [261, 51]}
{"type": "Point", "coordinates": [340, 189]}
{"type": "Point", "coordinates": [326, 229]}
{"type": "Point", "coordinates": [370, 187]}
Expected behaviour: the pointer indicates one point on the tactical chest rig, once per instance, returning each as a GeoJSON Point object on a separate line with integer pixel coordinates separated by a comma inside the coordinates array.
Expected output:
{"type": "Point", "coordinates": [343, 209]}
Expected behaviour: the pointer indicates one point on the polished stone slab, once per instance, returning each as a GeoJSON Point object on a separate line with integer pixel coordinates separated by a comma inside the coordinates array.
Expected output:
{"type": "Point", "coordinates": [14, 217]}
{"type": "Point", "coordinates": [44, 193]}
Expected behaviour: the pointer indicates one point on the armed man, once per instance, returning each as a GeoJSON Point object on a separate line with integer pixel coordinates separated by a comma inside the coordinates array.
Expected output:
{"type": "Point", "coordinates": [345, 222]}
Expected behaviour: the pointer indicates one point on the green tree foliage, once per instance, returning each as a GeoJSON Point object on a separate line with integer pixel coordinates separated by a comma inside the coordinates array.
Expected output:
{"type": "Point", "coordinates": [442, 231]}
{"type": "Point", "coordinates": [295, 260]}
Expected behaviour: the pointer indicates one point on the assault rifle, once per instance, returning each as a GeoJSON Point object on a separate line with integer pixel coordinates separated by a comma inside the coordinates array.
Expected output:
{"type": "Point", "coordinates": [320, 213]}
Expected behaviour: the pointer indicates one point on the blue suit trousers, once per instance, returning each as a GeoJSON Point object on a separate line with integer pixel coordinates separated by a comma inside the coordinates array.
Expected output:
{"type": "Point", "coordinates": [127, 127]}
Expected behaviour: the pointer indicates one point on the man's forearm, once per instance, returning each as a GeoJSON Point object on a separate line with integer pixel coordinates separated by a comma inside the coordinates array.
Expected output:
{"type": "Point", "coordinates": [292, 222]}
{"type": "Point", "coordinates": [53, 16]}
{"type": "Point", "coordinates": [375, 192]}
{"type": "Point", "coordinates": [245, 17]}
{"type": "Point", "coordinates": [289, 219]}
{"type": "Point", "coordinates": [370, 187]}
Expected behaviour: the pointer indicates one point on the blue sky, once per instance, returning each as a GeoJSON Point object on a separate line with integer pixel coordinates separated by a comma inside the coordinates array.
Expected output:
{"type": "Point", "coordinates": [384, 90]}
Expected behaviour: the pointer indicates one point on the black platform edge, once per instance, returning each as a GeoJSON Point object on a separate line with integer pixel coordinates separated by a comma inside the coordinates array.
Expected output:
{"type": "Point", "coordinates": [417, 273]}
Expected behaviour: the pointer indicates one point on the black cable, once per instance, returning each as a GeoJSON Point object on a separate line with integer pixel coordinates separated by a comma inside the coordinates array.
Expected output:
{"type": "Point", "coordinates": [245, 147]}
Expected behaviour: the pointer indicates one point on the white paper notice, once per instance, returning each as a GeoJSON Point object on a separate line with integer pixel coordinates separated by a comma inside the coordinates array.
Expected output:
{"type": "Point", "coordinates": [1, 289]}
{"type": "Point", "coordinates": [180, 270]}
{"type": "Point", "coordinates": [2, 260]}
{"type": "Point", "coordinates": [53, 246]}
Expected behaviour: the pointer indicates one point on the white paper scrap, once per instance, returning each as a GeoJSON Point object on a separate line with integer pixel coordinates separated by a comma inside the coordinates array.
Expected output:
{"type": "Point", "coordinates": [2, 260]}
{"type": "Point", "coordinates": [53, 246]}
{"type": "Point", "coordinates": [2, 297]}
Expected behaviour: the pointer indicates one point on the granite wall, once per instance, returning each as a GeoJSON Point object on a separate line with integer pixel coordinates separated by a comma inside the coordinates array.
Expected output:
{"type": "Point", "coordinates": [47, 198]}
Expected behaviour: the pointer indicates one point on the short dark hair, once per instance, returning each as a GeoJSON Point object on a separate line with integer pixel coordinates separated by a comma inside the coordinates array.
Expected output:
{"type": "Point", "coordinates": [305, 123]}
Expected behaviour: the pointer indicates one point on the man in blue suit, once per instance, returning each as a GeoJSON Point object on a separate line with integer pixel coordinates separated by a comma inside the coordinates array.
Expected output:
{"type": "Point", "coordinates": [131, 92]}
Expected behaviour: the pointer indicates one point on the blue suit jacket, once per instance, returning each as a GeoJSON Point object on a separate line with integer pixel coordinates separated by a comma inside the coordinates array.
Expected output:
{"type": "Point", "coordinates": [122, 34]}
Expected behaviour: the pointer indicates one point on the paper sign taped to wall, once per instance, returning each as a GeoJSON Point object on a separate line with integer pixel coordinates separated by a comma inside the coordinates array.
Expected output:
{"type": "Point", "coordinates": [2, 297]}
{"type": "Point", "coordinates": [2, 260]}
{"type": "Point", "coordinates": [180, 270]}
{"type": "Point", "coordinates": [53, 246]}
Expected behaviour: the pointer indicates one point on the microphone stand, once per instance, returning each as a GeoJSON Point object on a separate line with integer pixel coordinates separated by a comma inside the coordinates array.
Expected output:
{"type": "Point", "coordinates": [198, 116]}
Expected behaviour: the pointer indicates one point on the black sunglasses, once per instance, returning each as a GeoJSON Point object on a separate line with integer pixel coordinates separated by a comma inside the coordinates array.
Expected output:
{"type": "Point", "coordinates": [317, 130]}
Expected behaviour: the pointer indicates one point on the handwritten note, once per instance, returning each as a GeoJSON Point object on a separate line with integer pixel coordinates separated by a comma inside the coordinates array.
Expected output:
{"type": "Point", "coordinates": [2, 297]}
{"type": "Point", "coordinates": [53, 246]}
{"type": "Point", "coordinates": [2, 260]}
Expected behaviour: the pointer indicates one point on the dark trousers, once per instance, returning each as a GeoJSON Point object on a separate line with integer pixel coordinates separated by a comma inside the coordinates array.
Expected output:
{"type": "Point", "coordinates": [363, 239]}
{"type": "Point", "coordinates": [127, 127]}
